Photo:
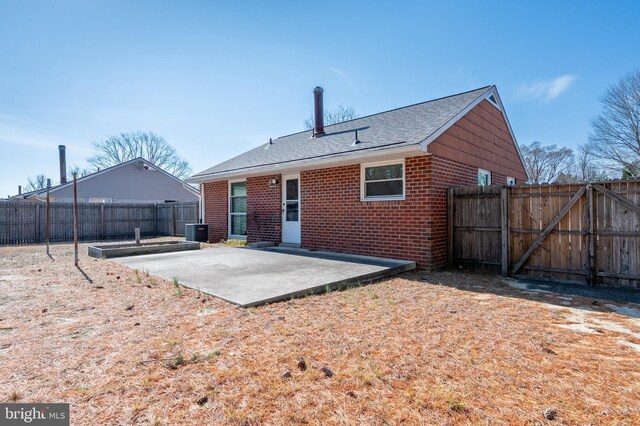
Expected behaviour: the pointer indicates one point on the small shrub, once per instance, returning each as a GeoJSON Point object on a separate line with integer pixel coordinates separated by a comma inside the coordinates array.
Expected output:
{"type": "Point", "coordinates": [197, 358]}
{"type": "Point", "coordinates": [179, 359]}
{"type": "Point", "coordinates": [235, 243]}
{"type": "Point", "coordinates": [178, 286]}
{"type": "Point", "coordinates": [454, 403]}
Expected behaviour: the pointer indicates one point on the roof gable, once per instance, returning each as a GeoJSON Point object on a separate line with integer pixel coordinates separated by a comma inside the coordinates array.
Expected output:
{"type": "Point", "coordinates": [396, 128]}
{"type": "Point", "coordinates": [110, 173]}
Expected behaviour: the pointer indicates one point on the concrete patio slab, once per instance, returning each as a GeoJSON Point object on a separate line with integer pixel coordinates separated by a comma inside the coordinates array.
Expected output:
{"type": "Point", "coordinates": [252, 277]}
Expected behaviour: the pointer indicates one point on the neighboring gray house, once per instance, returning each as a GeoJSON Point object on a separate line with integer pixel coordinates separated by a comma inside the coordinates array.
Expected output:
{"type": "Point", "coordinates": [134, 181]}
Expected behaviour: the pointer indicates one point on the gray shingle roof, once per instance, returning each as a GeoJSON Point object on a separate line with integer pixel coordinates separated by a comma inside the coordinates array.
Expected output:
{"type": "Point", "coordinates": [399, 127]}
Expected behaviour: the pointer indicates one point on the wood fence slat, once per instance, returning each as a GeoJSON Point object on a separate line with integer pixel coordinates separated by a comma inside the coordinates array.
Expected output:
{"type": "Point", "coordinates": [24, 222]}
{"type": "Point", "coordinates": [548, 230]}
{"type": "Point", "coordinates": [596, 241]}
{"type": "Point", "coordinates": [504, 231]}
{"type": "Point", "coordinates": [591, 238]}
{"type": "Point", "coordinates": [619, 198]}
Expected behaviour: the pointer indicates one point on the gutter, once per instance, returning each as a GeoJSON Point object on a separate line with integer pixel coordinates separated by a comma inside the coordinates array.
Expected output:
{"type": "Point", "coordinates": [306, 164]}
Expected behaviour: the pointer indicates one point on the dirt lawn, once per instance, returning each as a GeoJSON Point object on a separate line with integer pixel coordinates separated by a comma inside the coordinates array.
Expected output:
{"type": "Point", "coordinates": [445, 348]}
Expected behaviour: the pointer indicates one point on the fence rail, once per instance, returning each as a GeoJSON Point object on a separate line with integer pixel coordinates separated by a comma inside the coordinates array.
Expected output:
{"type": "Point", "coordinates": [588, 233]}
{"type": "Point", "coordinates": [24, 222]}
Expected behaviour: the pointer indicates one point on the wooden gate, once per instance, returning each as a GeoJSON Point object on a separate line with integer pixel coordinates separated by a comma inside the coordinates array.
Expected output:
{"type": "Point", "coordinates": [587, 233]}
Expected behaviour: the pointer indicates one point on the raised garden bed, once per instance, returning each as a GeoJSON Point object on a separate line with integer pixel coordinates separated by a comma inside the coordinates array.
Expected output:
{"type": "Point", "coordinates": [132, 249]}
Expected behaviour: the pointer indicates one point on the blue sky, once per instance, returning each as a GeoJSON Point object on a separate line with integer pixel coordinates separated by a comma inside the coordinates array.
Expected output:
{"type": "Point", "coordinates": [216, 79]}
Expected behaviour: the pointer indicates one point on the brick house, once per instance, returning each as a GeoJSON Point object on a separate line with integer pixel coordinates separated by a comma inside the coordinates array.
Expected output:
{"type": "Point", "coordinates": [375, 185]}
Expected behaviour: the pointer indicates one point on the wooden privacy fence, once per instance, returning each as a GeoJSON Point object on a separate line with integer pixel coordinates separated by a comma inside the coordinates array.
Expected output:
{"type": "Point", "coordinates": [171, 218]}
{"type": "Point", "coordinates": [24, 222]}
{"type": "Point", "coordinates": [588, 233]}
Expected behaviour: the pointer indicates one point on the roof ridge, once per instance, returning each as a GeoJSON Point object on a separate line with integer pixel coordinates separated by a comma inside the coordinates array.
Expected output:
{"type": "Point", "coordinates": [390, 110]}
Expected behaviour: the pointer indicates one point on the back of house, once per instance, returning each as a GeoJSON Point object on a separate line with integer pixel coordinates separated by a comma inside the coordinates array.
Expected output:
{"type": "Point", "coordinates": [375, 185]}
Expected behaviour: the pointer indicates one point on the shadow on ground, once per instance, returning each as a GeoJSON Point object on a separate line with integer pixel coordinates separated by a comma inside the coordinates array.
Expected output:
{"type": "Point", "coordinates": [604, 299]}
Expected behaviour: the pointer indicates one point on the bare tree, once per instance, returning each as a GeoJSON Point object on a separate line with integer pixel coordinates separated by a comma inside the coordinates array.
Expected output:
{"type": "Point", "coordinates": [546, 163]}
{"type": "Point", "coordinates": [127, 146]}
{"type": "Point", "coordinates": [587, 167]}
{"type": "Point", "coordinates": [337, 115]}
{"type": "Point", "coordinates": [78, 170]}
{"type": "Point", "coordinates": [615, 133]}
{"type": "Point", "coordinates": [35, 184]}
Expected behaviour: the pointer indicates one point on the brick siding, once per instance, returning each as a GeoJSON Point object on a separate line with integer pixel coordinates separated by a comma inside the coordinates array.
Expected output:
{"type": "Point", "coordinates": [334, 218]}
{"type": "Point", "coordinates": [264, 209]}
{"type": "Point", "coordinates": [216, 210]}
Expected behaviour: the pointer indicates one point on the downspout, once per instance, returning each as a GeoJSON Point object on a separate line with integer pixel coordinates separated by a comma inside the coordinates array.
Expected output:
{"type": "Point", "coordinates": [202, 203]}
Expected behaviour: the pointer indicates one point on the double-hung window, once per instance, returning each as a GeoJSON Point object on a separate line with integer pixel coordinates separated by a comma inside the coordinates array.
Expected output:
{"type": "Point", "coordinates": [382, 181]}
{"type": "Point", "coordinates": [238, 209]}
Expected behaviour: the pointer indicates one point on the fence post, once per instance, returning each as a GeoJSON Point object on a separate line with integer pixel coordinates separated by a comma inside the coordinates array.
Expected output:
{"type": "Point", "coordinates": [37, 229]}
{"type": "Point", "coordinates": [102, 230]}
{"type": "Point", "coordinates": [450, 207]}
{"type": "Point", "coordinates": [47, 230]}
{"type": "Point", "coordinates": [504, 229]}
{"type": "Point", "coordinates": [155, 220]}
{"type": "Point", "coordinates": [75, 219]}
{"type": "Point", "coordinates": [173, 220]}
{"type": "Point", "coordinates": [591, 277]}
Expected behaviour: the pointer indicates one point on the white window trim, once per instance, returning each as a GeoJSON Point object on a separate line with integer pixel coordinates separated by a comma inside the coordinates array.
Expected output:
{"type": "Point", "coordinates": [511, 178]}
{"type": "Point", "coordinates": [363, 196]}
{"type": "Point", "coordinates": [100, 200]}
{"type": "Point", "coordinates": [231, 236]}
{"type": "Point", "coordinates": [487, 172]}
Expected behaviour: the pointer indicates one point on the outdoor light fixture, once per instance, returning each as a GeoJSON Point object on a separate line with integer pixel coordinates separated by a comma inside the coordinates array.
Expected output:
{"type": "Point", "coordinates": [273, 183]}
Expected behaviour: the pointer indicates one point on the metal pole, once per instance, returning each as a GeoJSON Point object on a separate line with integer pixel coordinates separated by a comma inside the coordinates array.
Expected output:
{"type": "Point", "coordinates": [75, 218]}
{"type": "Point", "coordinates": [46, 229]}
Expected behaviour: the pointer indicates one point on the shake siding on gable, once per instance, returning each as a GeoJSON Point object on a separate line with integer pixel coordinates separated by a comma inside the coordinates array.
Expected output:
{"type": "Point", "coordinates": [481, 139]}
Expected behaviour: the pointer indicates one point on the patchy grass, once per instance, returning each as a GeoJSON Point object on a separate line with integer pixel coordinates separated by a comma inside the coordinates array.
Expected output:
{"type": "Point", "coordinates": [178, 286]}
{"type": "Point", "coordinates": [235, 243]}
{"type": "Point", "coordinates": [445, 348]}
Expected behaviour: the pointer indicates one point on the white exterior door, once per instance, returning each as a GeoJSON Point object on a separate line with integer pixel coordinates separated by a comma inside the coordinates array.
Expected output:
{"type": "Point", "coordinates": [291, 209]}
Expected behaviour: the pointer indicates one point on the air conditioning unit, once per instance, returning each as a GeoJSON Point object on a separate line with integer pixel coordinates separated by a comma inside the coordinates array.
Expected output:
{"type": "Point", "coordinates": [196, 232]}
